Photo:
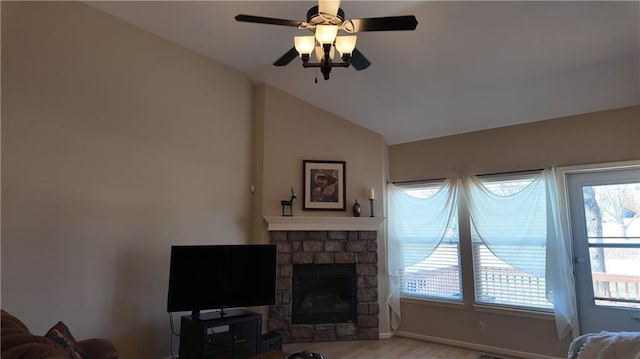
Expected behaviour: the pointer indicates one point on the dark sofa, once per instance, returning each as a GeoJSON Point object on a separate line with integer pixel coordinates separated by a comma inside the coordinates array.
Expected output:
{"type": "Point", "coordinates": [18, 343]}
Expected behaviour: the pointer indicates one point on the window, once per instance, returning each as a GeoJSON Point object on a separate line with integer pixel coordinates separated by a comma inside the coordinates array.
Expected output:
{"type": "Point", "coordinates": [613, 238]}
{"type": "Point", "coordinates": [518, 253]}
{"type": "Point", "coordinates": [509, 240]}
{"type": "Point", "coordinates": [430, 251]}
{"type": "Point", "coordinates": [507, 232]}
{"type": "Point", "coordinates": [437, 275]}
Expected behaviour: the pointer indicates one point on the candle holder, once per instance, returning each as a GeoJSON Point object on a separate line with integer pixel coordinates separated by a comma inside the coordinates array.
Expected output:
{"type": "Point", "coordinates": [371, 207]}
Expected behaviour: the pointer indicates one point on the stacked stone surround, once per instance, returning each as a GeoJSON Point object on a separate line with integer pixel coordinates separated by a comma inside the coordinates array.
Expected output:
{"type": "Point", "coordinates": [326, 247]}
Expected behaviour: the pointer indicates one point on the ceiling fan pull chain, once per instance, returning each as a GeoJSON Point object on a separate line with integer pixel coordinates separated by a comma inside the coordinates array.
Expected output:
{"type": "Point", "coordinates": [316, 76]}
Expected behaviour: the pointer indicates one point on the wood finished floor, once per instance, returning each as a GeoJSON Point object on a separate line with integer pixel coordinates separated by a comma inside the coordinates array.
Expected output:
{"type": "Point", "coordinates": [394, 348]}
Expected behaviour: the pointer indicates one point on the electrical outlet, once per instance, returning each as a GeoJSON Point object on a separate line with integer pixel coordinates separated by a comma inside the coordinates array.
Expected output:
{"type": "Point", "coordinates": [481, 326]}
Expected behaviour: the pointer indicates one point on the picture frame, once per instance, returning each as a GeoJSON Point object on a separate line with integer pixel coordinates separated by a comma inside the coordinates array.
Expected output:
{"type": "Point", "coordinates": [324, 185]}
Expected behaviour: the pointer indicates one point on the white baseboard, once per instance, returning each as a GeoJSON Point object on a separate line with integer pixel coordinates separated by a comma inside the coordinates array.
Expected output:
{"type": "Point", "coordinates": [475, 346]}
{"type": "Point", "coordinates": [386, 335]}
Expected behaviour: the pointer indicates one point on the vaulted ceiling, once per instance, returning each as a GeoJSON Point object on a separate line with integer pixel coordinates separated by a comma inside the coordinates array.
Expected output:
{"type": "Point", "coordinates": [468, 66]}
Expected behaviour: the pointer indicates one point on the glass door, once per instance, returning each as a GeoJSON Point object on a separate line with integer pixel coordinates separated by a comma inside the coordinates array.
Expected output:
{"type": "Point", "coordinates": [605, 219]}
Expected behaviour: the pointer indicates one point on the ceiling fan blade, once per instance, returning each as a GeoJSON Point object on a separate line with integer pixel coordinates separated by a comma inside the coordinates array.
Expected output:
{"type": "Point", "coordinates": [358, 61]}
{"type": "Point", "coordinates": [287, 57]}
{"type": "Point", "coordinates": [267, 20]}
{"type": "Point", "coordinates": [328, 6]}
{"type": "Point", "coordinates": [389, 23]}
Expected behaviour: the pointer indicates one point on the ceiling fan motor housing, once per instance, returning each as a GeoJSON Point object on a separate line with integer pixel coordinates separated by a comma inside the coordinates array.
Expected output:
{"type": "Point", "coordinates": [314, 17]}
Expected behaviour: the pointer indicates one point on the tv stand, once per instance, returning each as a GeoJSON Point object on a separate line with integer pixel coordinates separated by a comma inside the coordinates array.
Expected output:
{"type": "Point", "coordinates": [195, 314]}
{"type": "Point", "coordinates": [233, 334]}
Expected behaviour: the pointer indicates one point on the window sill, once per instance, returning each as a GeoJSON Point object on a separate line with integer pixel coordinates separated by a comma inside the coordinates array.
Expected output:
{"type": "Point", "coordinates": [432, 302]}
{"type": "Point", "coordinates": [515, 312]}
{"type": "Point", "coordinates": [507, 311]}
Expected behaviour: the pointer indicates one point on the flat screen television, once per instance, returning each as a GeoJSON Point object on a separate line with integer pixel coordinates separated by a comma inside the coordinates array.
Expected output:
{"type": "Point", "coordinates": [221, 276]}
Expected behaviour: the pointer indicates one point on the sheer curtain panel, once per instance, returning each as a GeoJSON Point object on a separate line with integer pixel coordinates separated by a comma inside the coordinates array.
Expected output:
{"type": "Point", "coordinates": [560, 281]}
{"type": "Point", "coordinates": [522, 228]}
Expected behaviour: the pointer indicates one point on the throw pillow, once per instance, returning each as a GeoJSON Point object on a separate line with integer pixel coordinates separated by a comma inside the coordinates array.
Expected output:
{"type": "Point", "coordinates": [60, 334]}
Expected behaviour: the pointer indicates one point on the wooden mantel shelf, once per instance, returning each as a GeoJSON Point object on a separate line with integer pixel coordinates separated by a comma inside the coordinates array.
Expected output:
{"type": "Point", "coordinates": [301, 223]}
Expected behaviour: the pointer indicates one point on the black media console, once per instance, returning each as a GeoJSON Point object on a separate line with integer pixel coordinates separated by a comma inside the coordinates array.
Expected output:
{"type": "Point", "coordinates": [235, 335]}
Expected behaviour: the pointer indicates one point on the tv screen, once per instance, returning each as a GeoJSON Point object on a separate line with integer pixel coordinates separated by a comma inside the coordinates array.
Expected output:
{"type": "Point", "coordinates": [221, 276]}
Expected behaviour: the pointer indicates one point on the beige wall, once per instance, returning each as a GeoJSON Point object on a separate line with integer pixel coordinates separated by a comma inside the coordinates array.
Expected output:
{"type": "Point", "coordinates": [595, 137]}
{"type": "Point", "coordinates": [606, 136]}
{"type": "Point", "coordinates": [116, 144]}
{"type": "Point", "coordinates": [294, 131]}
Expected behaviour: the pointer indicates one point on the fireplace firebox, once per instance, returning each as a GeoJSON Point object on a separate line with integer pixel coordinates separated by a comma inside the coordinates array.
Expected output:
{"type": "Point", "coordinates": [323, 293]}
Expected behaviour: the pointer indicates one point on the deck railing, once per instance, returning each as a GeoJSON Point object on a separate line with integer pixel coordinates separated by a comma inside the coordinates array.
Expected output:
{"type": "Point", "coordinates": [624, 290]}
{"type": "Point", "coordinates": [501, 285]}
{"type": "Point", "coordinates": [511, 287]}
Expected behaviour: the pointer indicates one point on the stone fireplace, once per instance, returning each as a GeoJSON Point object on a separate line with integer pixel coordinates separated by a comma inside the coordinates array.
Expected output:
{"type": "Point", "coordinates": [328, 251]}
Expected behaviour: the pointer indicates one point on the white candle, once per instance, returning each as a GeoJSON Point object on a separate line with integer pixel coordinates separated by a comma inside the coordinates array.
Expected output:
{"type": "Point", "coordinates": [371, 194]}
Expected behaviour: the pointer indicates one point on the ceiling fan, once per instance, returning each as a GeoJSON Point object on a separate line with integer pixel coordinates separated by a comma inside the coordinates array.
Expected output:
{"type": "Point", "coordinates": [325, 20]}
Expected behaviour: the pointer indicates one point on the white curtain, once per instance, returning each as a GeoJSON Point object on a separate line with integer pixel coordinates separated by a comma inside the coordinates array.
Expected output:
{"type": "Point", "coordinates": [509, 225]}
{"type": "Point", "coordinates": [528, 218]}
{"type": "Point", "coordinates": [559, 271]}
{"type": "Point", "coordinates": [420, 223]}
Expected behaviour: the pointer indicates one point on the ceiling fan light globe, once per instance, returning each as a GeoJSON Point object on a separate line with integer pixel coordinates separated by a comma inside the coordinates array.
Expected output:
{"type": "Point", "coordinates": [326, 34]}
{"type": "Point", "coordinates": [329, 6]}
{"type": "Point", "coordinates": [304, 44]}
{"type": "Point", "coordinates": [346, 44]}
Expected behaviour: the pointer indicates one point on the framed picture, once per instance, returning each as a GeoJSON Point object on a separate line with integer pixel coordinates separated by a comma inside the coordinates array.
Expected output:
{"type": "Point", "coordinates": [324, 185]}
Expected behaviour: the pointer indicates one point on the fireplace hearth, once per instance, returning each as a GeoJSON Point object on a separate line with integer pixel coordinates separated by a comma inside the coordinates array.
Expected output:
{"type": "Point", "coordinates": [310, 306]}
